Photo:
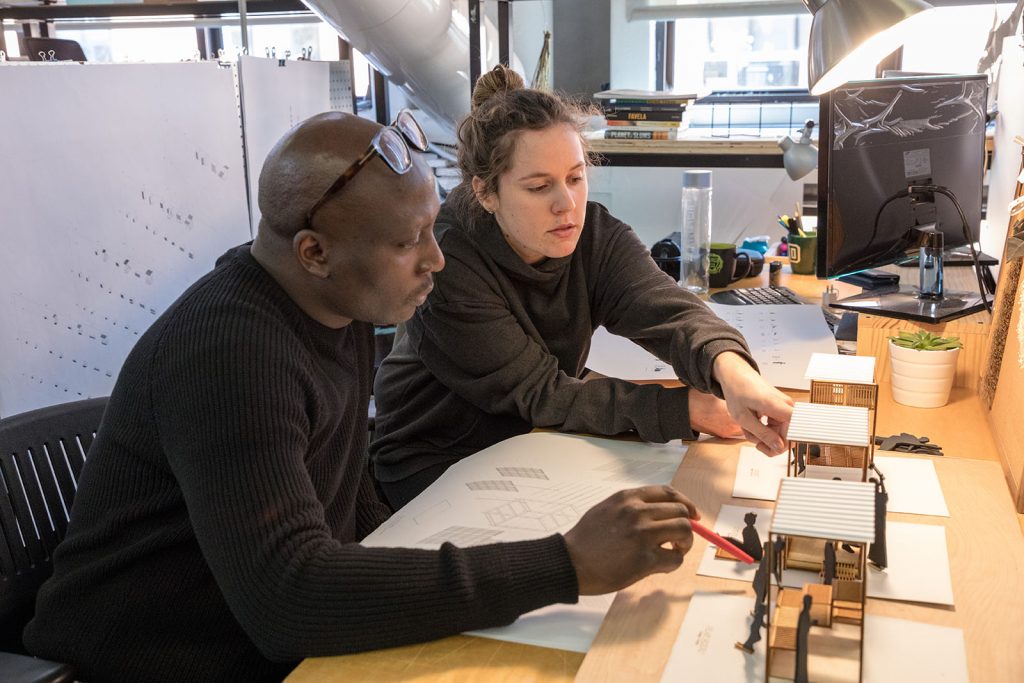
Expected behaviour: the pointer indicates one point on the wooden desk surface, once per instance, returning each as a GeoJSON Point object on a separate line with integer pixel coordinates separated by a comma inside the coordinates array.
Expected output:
{"type": "Point", "coordinates": [986, 562]}
{"type": "Point", "coordinates": [986, 552]}
{"type": "Point", "coordinates": [984, 537]}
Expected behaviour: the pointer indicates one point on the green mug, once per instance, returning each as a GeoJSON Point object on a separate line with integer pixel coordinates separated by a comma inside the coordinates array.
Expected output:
{"type": "Point", "coordinates": [721, 264]}
{"type": "Point", "coordinates": [802, 252]}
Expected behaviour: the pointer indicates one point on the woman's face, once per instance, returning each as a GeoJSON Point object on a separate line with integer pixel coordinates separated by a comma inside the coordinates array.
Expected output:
{"type": "Point", "coordinates": [541, 200]}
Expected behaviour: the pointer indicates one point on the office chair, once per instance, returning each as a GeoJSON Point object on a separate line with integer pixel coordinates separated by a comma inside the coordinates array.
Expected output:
{"type": "Point", "coordinates": [41, 458]}
{"type": "Point", "coordinates": [39, 49]}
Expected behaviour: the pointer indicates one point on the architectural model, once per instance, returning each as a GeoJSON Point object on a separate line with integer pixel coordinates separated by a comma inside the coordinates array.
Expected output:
{"type": "Point", "coordinates": [816, 632]}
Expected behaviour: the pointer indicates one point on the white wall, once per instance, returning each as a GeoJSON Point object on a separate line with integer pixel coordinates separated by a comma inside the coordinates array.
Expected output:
{"type": "Point", "coordinates": [529, 20]}
{"type": "Point", "coordinates": [745, 201]}
{"type": "Point", "coordinates": [632, 50]}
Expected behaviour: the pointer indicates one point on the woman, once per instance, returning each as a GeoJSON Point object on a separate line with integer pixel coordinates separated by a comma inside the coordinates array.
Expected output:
{"type": "Point", "coordinates": [532, 269]}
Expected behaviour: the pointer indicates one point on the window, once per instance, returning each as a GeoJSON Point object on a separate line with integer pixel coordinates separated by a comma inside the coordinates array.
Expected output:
{"type": "Point", "coordinates": [746, 53]}
{"type": "Point", "coordinates": [282, 38]}
{"type": "Point", "coordinates": [956, 40]}
{"type": "Point", "coordinates": [134, 44]}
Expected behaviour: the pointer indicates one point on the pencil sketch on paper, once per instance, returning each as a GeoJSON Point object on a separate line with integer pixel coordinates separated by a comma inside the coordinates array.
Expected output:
{"type": "Point", "coordinates": [526, 472]}
{"type": "Point", "coordinates": [461, 536]}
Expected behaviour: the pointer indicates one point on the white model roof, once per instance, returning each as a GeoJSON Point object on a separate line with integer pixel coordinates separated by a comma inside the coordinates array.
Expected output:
{"type": "Point", "coordinates": [836, 368]}
{"type": "Point", "coordinates": [826, 424]}
{"type": "Point", "coordinates": [825, 508]}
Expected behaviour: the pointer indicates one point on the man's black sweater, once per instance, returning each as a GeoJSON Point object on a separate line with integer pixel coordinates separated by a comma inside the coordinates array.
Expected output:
{"type": "Point", "coordinates": [214, 533]}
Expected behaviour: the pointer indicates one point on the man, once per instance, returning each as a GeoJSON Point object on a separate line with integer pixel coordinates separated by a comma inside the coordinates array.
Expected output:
{"type": "Point", "coordinates": [214, 534]}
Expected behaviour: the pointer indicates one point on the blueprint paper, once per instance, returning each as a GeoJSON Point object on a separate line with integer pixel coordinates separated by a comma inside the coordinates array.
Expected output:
{"type": "Point", "coordinates": [782, 339]}
{"type": "Point", "coordinates": [529, 487]}
{"type": "Point", "coordinates": [896, 650]}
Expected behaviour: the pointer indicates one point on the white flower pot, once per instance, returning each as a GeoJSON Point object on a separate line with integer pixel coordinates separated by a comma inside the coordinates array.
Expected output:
{"type": "Point", "coordinates": [922, 379]}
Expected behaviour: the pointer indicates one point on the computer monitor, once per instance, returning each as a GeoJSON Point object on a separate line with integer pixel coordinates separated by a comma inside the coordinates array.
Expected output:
{"type": "Point", "coordinates": [878, 139]}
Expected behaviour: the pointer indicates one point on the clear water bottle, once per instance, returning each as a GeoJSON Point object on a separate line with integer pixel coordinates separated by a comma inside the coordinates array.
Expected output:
{"type": "Point", "coordinates": [695, 232]}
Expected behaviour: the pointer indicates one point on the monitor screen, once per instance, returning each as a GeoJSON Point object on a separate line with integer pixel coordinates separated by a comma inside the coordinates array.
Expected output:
{"type": "Point", "coordinates": [877, 138]}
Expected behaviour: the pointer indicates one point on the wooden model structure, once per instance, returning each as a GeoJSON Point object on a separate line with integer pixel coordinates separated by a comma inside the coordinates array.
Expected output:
{"type": "Point", "coordinates": [844, 381]}
{"type": "Point", "coordinates": [811, 514]}
{"type": "Point", "coordinates": [830, 436]}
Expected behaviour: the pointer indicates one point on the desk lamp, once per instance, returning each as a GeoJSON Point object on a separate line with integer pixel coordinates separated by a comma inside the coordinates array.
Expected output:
{"type": "Point", "coordinates": [849, 37]}
{"type": "Point", "coordinates": [800, 157]}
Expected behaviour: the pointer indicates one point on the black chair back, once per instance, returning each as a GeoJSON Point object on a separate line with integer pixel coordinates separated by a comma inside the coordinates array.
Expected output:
{"type": "Point", "coordinates": [51, 49]}
{"type": "Point", "coordinates": [41, 457]}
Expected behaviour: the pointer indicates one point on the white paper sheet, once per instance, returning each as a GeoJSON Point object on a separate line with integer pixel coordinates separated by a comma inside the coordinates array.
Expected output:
{"type": "Point", "coordinates": [730, 523]}
{"type": "Point", "coordinates": [895, 650]}
{"type": "Point", "coordinates": [615, 356]}
{"type": "Point", "coordinates": [562, 627]}
{"type": "Point", "coordinates": [918, 560]}
{"type": "Point", "coordinates": [829, 366]}
{"type": "Point", "coordinates": [781, 339]}
{"type": "Point", "coordinates": [705, 647]}
{"type": "Point", "coordinates": [918, 568]}
{"type": "Point", "coordinates": [912, 484]}
{"type": "Point", "coordinates": [529, 487]}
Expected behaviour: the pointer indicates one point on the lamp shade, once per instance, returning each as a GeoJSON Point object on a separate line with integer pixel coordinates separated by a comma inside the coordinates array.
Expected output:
{"type": "Point", "coordinates": [849, 37]}
{"type": "Point", "coordinates": [799, 157]}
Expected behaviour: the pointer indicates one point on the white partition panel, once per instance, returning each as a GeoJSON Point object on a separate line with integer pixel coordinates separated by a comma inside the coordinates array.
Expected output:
{"type": "Point", "coordinates": [276, 95]}
{"type": "Point", "coordinates": [121, 185]}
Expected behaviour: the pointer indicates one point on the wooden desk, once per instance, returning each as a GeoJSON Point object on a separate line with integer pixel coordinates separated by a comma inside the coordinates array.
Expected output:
{"type": "Point", "coordinates": [986, 562]}
{"type": "Point", "coordinates": [637, 636]}
{"type": "Point", "coordinates": [984, 538]}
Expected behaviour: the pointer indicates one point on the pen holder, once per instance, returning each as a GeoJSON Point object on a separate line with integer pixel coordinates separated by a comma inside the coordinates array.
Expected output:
{"type": "Point", "coordinates": [802, 252]}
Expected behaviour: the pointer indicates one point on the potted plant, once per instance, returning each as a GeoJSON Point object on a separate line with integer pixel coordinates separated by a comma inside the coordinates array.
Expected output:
{"type": "Point", "coordinates": [923, 367]}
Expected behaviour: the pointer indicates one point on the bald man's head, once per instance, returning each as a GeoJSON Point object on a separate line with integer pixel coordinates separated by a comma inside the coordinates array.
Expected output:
{"type": "Point", "coordinates": [370, 249]}
{"type": "Point", "coordinates": [304, 163]}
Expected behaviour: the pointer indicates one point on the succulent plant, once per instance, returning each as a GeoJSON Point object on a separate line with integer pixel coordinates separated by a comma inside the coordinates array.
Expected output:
{"type": "Point", "coordinates": [925, 341]}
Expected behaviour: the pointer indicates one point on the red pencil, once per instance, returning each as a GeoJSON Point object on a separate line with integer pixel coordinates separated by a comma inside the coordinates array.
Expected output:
{"type": "Point", "coordinates": [725, 545]}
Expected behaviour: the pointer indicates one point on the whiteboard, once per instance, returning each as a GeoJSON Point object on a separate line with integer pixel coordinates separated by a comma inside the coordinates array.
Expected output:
{"type": "Point", "coordinates": [274, 99]}
{"type": "Point", "coordinates": [122, 185]}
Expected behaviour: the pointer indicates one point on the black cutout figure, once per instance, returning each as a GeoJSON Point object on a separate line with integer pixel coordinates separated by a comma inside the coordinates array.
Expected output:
{"type": "Point", "coordinates": [760, 584]}
{"type": "Point", "coordinates": [780, 543]}
{"type": "Point", "coordinates": [829, 570]}
{"type": "Point", "coordinates": [803, 630]}
{"type": "Point", "coordinates": [878, 554]}
{"type": "Point", "coordinates": [751, 543]}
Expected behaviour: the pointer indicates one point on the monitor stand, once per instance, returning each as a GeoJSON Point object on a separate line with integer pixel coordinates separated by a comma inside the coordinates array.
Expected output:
{"type": "Point", "coordinates": [926, 303]}
{"type": "Point", "coordinates": [907, 303]}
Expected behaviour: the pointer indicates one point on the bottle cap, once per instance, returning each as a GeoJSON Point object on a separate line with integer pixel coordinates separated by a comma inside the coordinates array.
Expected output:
{"type": "Point", "coordinates": [697, 179]}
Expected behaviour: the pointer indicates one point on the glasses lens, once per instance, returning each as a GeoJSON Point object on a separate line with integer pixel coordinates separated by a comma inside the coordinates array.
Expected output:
{"type": "Point", "coordinates": [411, 130]}
{"type": "Point", "coordinates": [394, 151]}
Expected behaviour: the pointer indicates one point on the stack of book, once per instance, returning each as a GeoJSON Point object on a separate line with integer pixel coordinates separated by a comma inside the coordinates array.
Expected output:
{"type": "Point", "coordinates": [642, 114]}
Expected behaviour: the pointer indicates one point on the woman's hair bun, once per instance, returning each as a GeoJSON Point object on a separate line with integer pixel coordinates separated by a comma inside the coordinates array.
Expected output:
{"type": "Point", "coordinates": [500, 79]}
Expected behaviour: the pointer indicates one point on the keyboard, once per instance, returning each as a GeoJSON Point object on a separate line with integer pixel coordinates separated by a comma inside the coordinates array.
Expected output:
{"type": "Point", "coordinates": [756, 295]}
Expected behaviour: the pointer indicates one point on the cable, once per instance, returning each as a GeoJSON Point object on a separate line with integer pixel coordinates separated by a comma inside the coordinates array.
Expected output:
{"type": "Point", "coordinates": [966, 230]}
{"type": "Point", "coordinates": [916, 189]}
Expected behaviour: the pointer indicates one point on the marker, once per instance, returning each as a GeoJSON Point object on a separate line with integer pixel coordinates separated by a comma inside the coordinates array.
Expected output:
{"type": "Point", "coordinates": [717, 540]}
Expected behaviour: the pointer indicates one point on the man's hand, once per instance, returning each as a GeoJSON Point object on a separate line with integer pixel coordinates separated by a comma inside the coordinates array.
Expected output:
{"type": "Point", "coordinates": [620, 540]}
{"type": "Point", "coordinates": [750, 399]}
{"type": "Point", "coordinates": [710, 414]}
